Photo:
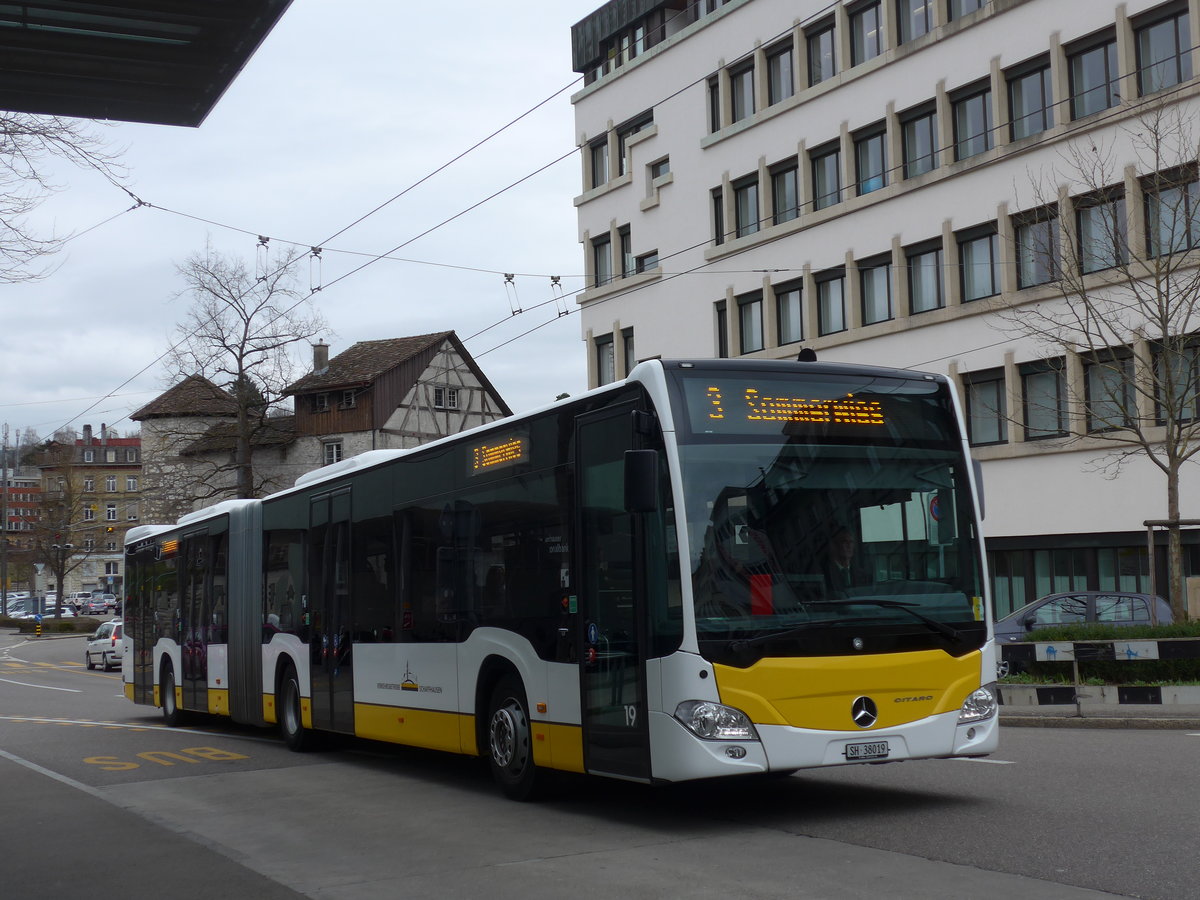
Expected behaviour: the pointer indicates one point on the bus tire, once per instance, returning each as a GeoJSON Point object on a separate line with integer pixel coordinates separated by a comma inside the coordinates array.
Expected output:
{"type": "Point", "coordinates": [291, 716]}
{"type": "Point", "coordinates": [510, 740]}
{"type": "Point", "coordinates": [172, 715]}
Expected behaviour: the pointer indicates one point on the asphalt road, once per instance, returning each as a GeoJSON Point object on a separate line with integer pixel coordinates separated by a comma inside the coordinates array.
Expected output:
{"type": "Point", "coordinates": [100, 800]}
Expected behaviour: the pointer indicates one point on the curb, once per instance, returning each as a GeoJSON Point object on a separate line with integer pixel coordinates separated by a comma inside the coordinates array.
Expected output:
{"type": "Point", "coordinates": [1078, 721]}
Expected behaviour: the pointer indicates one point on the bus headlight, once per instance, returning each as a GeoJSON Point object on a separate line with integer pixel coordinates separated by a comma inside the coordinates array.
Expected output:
{"type": "Point", "coordinates": [715, 722]}
{"type": "Point", "coordinates": [980, 705]}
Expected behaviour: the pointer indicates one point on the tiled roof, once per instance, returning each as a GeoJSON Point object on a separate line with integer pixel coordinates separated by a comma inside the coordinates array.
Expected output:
{"type": "Point", "coordinates": [366, 361]}
{"type": "Point", "coordinates": [271, 432]}
{"type": "Point", "coordinates": [195, 396]}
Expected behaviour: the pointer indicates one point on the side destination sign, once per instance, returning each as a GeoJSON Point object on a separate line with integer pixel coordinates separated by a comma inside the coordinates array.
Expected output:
{"type": "Point", "coordinates": [498, 454]}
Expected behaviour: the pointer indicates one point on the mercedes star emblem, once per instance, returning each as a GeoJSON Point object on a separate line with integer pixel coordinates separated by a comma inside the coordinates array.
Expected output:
{"type": "Point", "coordinates": [864, 712]}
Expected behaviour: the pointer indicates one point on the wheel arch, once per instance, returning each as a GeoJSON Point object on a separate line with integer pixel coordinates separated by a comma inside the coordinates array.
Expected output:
{"type": "Point", "coordinates": [491, 670]}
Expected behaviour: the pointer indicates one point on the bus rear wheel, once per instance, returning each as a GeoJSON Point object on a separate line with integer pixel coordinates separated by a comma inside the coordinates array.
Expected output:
{"type": "Point", "coordinates": [291, 716]}
{"type": "Point", "coordinates": [172, 715]}
{"type": "Point", "coordinates": [510, 742]}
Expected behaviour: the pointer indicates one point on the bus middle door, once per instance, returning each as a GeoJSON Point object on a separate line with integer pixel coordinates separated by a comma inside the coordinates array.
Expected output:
{"type": "Point", "coordinates": [616, 738]}
{"type": "Point", "coordinates": [330, 657]}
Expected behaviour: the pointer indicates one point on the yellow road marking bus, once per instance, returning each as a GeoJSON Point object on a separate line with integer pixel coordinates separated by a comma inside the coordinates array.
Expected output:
{"type": "Point", "coordinates": [712, 568]}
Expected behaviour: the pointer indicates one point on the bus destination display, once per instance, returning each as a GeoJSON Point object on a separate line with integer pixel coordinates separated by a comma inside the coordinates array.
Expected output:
{"type": "Point", "coordinates": [498, 454]}
{"type": "Point", "coordinates": [743, 407]}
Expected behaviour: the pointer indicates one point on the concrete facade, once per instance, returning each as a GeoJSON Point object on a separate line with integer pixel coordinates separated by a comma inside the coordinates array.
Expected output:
{"type": "Point", "coordinates": [709, 227]}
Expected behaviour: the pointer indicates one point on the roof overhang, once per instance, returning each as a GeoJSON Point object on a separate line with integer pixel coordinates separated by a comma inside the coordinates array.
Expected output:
{"type": "Point", "coordinates": [164, 62]}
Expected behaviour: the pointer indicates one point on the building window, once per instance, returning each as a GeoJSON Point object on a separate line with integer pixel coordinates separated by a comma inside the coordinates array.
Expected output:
{"type": "Point", "coordinates": [822, 63]}
{"type": "Point", "coordinates": [781, 82]}
{"type": "Point", "coordinates": [745, 206]}
{"type": "Point", "coordinates": [89, 514]}
{"type": "Point", "coordinates": [89, 456]}
{"type": "Point", "coordinates": [787, 307]}
{"type": "Point", "coordinates": [785, 195]}
{"type": "Point", "coordinates": [826, 175]}
{"type": "Point", "coordinates": [875, 282]}
{"type": "Point", "coordinates": [89, 485]}
{"type": "Point", "coordinates": [599, 153]}
{"type": "Point", "coordinates": [112, 568]}
{"type": "Point", "coordinates": [1094, 75]}
{"type": "Point", "coordinates": [659, 168]}
{"type": "Point", "coordinates": [915, 17]}
{"type": "Point", "coordinates": [332, 452]}
{"type": "Point", "coordinates": [979, 262]}
{"type": "Point", "coordinates": [722, 323]}
{"type": "Point", "coordinates": [718, 212]}
{"type": "Point", "coordinates": [987, 417]}
{"type": "Point", "coordinates": [831, 304]}
{"type": "Point", "coordinates": [646, 262]}
{"type": "Point", "coordinates": [110, 512]}
{"type": "Point", "coordinates": [89, 544]}
{"type": "Point", "coordinates": [110, 456]}
{"type": "Point", "coordinates": [1043, 389]}
{"type": "Point", "coordinates": [1100, 224]}
{"type": "Point", "coordinates": [627, 346]}
{"type": "Point", "coordinates": [626, 251]}
{"type": "Point", "coordinates": [714, 105]}
{"type": "Point", "coordinates": [1176, 381]}
{"type": "Point", "coordinates": [131, 512]}
{"type": "Point", "coordinates": [1031, 102]}
{"type": "Point", "coordinates": [349, 400]}
{"type": "Point", "coordinates": [602, 260]}
{"type": "Point", "coordinates": [1108, 382]}
{"type": "Point", "coordinates": [445, 397]}
{"type": "Point", "coordinates": [110, 484]}
{"type": "Point", "coordinates": [920, 142]}
{"type": "Point", "coordinates": [741, 88]}
{"type": "Point", "coordinates": [870, 157]}
{"type": "Point", "coordinates": [110, 546]}
{"type": "Point", "coordinates": [960, 8]}
{"type": "Point", "coordinates": [320, 402]}
{"type": "Point", "coordinates": [973, 124]}
{"type": "Point", "coordinates": [606, 360]}
{"type": "Point", "coordinates": [131, 455]}
{"type": "Point", "coordinates": [1172, 204]}
{"type": "Point", "coordinates": [1036, 238]}
{"type": "Point", "coordinates": [131, 483]}
{"type": "Point", "coordinates": [925, 278]}
{"type": "Point", "coordinates": [1164, 57]}
{"type": "Point", "coordinates": [625, 132]}
{"type": "Point", "coordinates": [866, 33]}
{"type": "Point", "coordinates": [750, 318]}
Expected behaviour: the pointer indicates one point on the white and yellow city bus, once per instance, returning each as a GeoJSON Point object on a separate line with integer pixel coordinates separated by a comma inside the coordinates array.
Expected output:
{"type": "Point", "coordinates": [635, 583]}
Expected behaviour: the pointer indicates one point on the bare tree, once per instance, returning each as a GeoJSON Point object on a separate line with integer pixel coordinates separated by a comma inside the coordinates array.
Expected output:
{"type": "Point", "coordinates": [1121, 334]}
{"type": "Point", "coordinates": [238, 334]}
{"type": "Point", "coordinates": [29, 147]}
{"type": "Point", "coordinates": [65, 525]}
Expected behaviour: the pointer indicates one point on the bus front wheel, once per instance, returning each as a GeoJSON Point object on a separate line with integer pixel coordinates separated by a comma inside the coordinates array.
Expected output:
{"type": "Point", "coordinates": [291, 718]}
{"type": "Point", "coordinates": [510, 744]}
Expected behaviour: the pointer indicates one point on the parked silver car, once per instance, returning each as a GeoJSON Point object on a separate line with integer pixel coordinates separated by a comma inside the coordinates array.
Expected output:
{"type": "Point", "coordinates": [104, 648]}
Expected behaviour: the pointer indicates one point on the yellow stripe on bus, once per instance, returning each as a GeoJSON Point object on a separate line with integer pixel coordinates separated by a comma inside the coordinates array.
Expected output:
{"type": "Point", "coordinates": [218, 701]}
{"type": "Point", "coordinates": [817, 692]}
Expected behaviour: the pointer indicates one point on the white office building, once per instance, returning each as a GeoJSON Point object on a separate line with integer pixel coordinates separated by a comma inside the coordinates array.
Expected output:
{"type": "Point", "coordinates": [922, 184]}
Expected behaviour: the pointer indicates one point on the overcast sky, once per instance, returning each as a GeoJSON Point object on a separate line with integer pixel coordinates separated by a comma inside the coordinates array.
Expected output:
{"type": "Point", "coordinates": [343, 107]}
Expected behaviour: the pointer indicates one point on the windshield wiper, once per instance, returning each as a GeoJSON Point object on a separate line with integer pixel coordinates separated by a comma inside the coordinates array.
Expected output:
{"type": "Point", "coordinates": [940, 627]}
{"type": "Point", "coordinates": [745, 643]}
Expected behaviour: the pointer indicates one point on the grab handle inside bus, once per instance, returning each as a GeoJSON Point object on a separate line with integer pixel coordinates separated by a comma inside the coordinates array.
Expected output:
{"type": "Point", "coordinates": [641, 481]}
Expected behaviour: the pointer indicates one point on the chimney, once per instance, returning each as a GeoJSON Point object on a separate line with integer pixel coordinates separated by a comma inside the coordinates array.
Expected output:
{"type": "Point", "coordinates": [320, 358]}
{"type": "Point", "coordinates": [87, 435]}
{"type": "Point", "coordinates": [103, 434]}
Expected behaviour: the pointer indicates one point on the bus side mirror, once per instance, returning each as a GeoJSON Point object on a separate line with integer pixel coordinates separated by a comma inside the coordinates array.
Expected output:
{"type": "Point", "coordinates": [641, 481]}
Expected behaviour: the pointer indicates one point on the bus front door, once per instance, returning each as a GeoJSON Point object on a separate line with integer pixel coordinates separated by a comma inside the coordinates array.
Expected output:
{"type": "Point", "coordinates": [616, 738]}
{"type": "Point", "coordinates": [330, 645]}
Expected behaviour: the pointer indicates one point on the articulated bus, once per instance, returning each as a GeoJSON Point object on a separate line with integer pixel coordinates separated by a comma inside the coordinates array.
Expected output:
{"type": "Point", "coordinates": [634, 583]}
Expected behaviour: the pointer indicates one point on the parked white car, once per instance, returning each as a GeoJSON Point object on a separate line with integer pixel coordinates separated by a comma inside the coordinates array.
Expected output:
{"type": "Point", "coordinates": [105, 646]}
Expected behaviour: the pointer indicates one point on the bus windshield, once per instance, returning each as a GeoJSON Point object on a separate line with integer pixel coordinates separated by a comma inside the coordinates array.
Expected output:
{"type": "Point", "coordinates": [827, 517]}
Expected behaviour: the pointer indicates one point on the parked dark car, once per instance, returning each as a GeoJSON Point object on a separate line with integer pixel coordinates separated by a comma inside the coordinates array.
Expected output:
{"type": "Point", "coordinates": [1077, 607]}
